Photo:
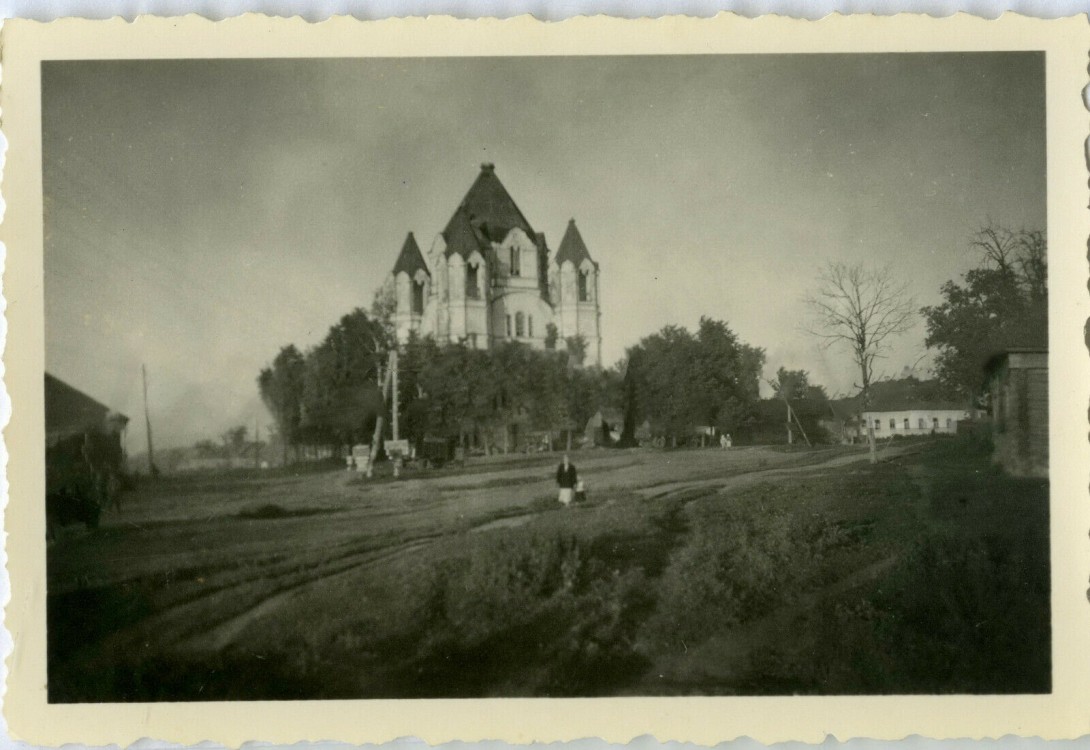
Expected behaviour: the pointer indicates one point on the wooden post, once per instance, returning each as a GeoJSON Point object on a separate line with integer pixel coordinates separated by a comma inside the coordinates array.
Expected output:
{"type": "Point", "coordinates": [394, 398]}
{"type": "Point", "coordinates": [376, 440]}
{"type": "Point", "coordinates": [798, 421]}
{"type": "Point", "coordinates": [153, 470]}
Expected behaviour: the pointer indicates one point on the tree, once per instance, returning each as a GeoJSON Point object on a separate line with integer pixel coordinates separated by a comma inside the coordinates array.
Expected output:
{"type": "Point", "coordinates": [791, 384]}
{"type": "Point", "coordinates": [383, 309]}
{"type": "Point", "coordinates": [862, 308]}
{"type": "Point", "coordinates": [341, 396]}
{"type": "Point", "coordinates": [234, 439]}
{"type": "Point", "coordinates": [794, 385]}
{"type": "Point", "coordinates": [551, 335]}
{"type": "Point", "coordinates": [281, 387]}
{"type": "Point", "coordinates": [1002, 303]}
{"type": "Point", "coordinates": [679, 381]}
{"type": "Point", "coordinates": [576, 347]}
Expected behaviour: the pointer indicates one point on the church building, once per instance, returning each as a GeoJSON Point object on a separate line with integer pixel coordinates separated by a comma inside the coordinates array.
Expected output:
{"type": "Point", "coordinates": [488, 277]}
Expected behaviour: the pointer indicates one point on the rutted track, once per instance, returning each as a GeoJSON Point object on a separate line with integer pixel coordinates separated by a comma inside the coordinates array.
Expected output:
{"type": "Point", "coordinates": [217, 594]}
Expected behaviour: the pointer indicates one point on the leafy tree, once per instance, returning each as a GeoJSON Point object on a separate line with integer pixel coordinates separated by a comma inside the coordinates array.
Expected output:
{"type": "Point", "coordinates": [551, 335]}
{"type": "Point", "coordinates": [576, 347]}
{"type": "Point", "coordinates": [458, 388]}
{"type": "Point", "coordinates": [1002, 303]}
{"type": "Point", "coordinates": [207, 449]}
{"type": "Point", "coordinates": [383, 309]}
{"type": "Point", "coordinates": [679, 381]}
{"type": "Point", "coordinates": [234, 438]}
{"type": "Point", "coordinates": [791, 384]}
{"type": "Point", "coordinates": [417, 355]}
{"type": "Point", "coordinates": [281, 387]}
{"type": "Point", "coordinates": [863, 309]}
{"type": "Point", "coordinates": [341, 397]}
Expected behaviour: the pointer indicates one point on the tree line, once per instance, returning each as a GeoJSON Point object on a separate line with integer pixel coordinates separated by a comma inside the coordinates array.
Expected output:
{"type": "Point", "coordinates": [497, 398]}
{"type": "Point", "coordinates": [670, 382]}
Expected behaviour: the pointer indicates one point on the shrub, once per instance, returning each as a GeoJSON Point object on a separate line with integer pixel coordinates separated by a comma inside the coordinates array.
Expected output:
{"type": "Point", "coordinates": [739, 569]}
{"type": "Point", "coordinates": [508, 578]}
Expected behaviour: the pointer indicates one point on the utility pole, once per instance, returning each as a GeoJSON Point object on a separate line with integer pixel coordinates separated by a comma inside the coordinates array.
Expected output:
{"type": "Point", "coordinates": [152, 469]}
{"type": "Point", "coordinates": [257, 444]}
{"type": "Point", "coordinates": [393, 369]}
{"type": "Point", "coordinates": [394, 398]}
{"type": "Point", "coordinates": [377, 437]}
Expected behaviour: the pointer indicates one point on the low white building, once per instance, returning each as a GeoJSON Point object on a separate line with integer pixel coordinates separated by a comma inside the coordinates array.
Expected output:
{"type": "Point", "coordinates": [904, 407]}
{"type": "Point", "coordinates": [937, 419]}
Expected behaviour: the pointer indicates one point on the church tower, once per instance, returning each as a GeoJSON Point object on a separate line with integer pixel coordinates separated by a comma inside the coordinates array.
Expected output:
{"type": "Point", "coordinates": [412, 286]}
{"type": "Point", "coordinates": [488, 277]}
{"type": "Point", "coordinates": [576, 296]}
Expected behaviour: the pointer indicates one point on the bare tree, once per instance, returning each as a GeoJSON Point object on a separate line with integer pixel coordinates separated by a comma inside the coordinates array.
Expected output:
{"type": "Point", "coordinates": [863, 308]}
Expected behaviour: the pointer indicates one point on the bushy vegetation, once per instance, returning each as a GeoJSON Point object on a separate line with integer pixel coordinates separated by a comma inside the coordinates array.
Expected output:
{"type": "Point", "coordinates": [1001, 303]}
{"type": "Point", "coordinates": [738, 567]}
{"type": "Point", "coordinates": [925, 574]}
{"type": "Point", "coordinates": [677, 380]}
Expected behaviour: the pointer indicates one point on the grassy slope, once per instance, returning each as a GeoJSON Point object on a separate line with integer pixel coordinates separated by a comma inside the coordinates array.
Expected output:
{"type": "Point", "coordinates": [926, 573]}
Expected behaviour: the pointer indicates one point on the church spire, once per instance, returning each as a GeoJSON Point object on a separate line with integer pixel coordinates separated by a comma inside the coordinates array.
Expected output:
{"type": "Point", "coordinates": [411, 259]}
{"type": "Point", "coordinates": [572, 247]}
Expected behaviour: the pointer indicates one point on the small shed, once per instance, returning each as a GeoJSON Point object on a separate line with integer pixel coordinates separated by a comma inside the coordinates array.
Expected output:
{"type": "Point", "coordinates": [1017, 386]}
{"type": "Point", "coordinates": [84, 454]}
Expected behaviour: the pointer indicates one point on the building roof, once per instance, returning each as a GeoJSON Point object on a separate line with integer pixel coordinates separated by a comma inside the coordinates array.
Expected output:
{"type": "Point", "coordinates": [71, 412]}
{"type": "Point", "coordinates": [572, 247]}
{"type": "Point", "coordinates": [411, 259]}
{"type": "Point", "coordinates": [903, 394]}
{"type": "Point", "coordinates": [462, 237]}
{"type": "Point", "coordinates": [490, 213]}
{"type": "Point", "coordinates": [1022, 355]}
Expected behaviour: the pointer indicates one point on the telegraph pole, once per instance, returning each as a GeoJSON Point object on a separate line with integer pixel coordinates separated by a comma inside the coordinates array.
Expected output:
{"type": "Point", "coordinates": [394, 398]}
{"type": "Point", "coordinates": [152, 469]}
{"type": "Point", "coordinates": [393, 368]}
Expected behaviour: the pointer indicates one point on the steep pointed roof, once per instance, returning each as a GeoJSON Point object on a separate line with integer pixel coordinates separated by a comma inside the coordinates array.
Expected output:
{"type": "Point", "coordinates": [572, 247]}
{"type": "Point", "coordinates": [490, 213]}
{"type": "Point", "coordinates": [462, 237]}
{"type": "Point", "coordinates": [411, 259]}
{"type": "Point", "coordinates": [70, 412]}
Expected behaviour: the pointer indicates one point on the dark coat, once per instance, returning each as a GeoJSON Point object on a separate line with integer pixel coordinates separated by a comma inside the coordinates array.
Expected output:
{"type": "Point", "coordinates": [566, 479]}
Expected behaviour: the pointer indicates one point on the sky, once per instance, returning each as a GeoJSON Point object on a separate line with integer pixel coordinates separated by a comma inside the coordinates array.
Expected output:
{"type": "Point", "coordinates": [201, 214]}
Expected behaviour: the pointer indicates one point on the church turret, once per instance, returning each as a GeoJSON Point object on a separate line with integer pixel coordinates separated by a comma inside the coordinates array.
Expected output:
{"type": "Point", "coordinates": [577, 291]}
{"type": "Point", "coordinates": [489, 277]}
{"type": "Point", "coordinates": [412, 282]}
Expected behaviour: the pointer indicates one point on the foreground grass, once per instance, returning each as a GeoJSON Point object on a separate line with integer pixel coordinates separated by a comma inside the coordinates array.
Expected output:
{"type": "Point", "coordinates": [924, 574]}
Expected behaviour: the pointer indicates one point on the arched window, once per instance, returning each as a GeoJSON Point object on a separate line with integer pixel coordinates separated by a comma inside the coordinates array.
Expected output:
{"type": "Point", "coordinates": [519, 325]}
{"type": "Point", "coordinates": [516, 262]}
{"type": "Point", "coordinates": [530, 326]}
{"type": "Point", "coordinates": [584, 293]}
{"type": "Point", "coordinates": [473, 289]}
{"type": "Point", "coordinates": [508, 326]}
{"type": "Point", "coordinates": [418, 298]}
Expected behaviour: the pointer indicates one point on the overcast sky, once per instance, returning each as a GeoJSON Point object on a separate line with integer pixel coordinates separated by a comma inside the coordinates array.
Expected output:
{"type": "Point", "coordinates": [200, 214]}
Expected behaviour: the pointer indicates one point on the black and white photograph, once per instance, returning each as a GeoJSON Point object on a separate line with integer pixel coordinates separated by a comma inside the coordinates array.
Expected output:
{"type": "Point", "coordinates": [546, 376]}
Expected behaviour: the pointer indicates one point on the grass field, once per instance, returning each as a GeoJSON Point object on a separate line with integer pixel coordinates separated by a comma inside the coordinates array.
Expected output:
{"type": "Point", "coordinates": [753, 571]}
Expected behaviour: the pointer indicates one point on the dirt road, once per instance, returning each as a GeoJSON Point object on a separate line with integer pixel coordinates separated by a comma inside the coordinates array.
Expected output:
{"type": "Point", "coordinates": [206, 560]}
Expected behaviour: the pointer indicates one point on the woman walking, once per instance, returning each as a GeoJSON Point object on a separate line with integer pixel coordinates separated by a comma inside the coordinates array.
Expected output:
{"type": "Point", "coordinates": [566, 479]}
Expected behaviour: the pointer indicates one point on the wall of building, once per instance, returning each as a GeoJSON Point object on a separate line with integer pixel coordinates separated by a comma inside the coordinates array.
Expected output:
{"type": "Point", "coordinates": [1020, 415]}
{"type": "Point", "coordinates": [452, 315]}
{"type": "Point", "coordinates": [920, 422]}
